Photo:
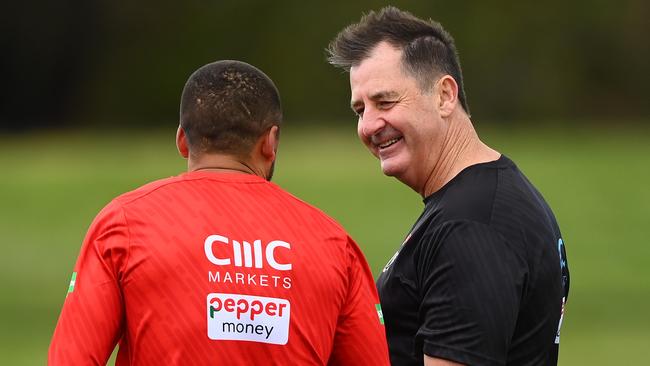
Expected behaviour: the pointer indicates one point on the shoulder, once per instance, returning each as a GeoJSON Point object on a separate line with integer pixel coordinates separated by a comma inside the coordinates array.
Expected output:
{"type": "Point", "coordinates": [476, 192]}
{"type": "Point", "coordinates": [470, 195]}
{"type": "Point", "coordinates": [309, 212]}
{"type": "Point", "coordinates": [114, 214]}
{"type": "Point", "coordinates": [146, 189]}
{"type": "Point", "coordinates": [461, 232]}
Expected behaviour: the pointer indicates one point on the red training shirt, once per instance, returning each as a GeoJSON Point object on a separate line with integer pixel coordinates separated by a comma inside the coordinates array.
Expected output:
{"type": "Point", "coordinates": [218, 268]}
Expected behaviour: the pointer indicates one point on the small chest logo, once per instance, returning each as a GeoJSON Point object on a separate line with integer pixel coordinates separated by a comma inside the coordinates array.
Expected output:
{"type": "Point", "coordinates": [248, 318]}
{"type": "Point", "coordinates": [392, 259]}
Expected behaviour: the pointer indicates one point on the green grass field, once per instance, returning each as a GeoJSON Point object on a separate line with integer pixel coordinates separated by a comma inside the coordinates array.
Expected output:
{"type": "Point", "coordinates": [596, 180]}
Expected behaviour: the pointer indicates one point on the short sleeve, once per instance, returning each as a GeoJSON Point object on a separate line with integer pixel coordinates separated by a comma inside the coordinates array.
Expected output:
{"type": "Point", "coordinates": [472, 282]}
{"type": "Point", "coordinates": [91, 319]}
{"type": "Point", "coordinates": [360, 337]}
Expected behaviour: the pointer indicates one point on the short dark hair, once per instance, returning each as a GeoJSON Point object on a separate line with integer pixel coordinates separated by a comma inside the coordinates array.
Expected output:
{"type": "Point", "coordinates": [428, 49]}
{"type": "Point", "coordinates": [226, 106]}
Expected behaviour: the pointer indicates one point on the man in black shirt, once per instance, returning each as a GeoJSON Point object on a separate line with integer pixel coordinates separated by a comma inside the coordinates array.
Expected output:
{"type": "Point", "coordinates": [482, 277]}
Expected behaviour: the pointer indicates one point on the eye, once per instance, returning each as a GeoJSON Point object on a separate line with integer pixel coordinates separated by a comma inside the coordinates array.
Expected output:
{"type": "Point", "coordinates": [385, 104]}
{"type": "Point", "coordinates": [358, 112]}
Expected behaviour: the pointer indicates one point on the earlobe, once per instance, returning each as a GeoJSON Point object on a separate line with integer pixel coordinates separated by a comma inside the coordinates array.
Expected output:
{"type": "Point", "coordinates": [181, 143]}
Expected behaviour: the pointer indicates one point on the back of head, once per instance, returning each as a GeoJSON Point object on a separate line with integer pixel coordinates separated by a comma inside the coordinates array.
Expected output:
{"type": "Point", "coordinates": [226, 106]}
{"type": "Point", "coordinates": [428, 49]}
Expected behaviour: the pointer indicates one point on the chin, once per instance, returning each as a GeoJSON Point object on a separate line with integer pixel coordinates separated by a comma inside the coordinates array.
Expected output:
{"type": "Point", "coordinates": [391, 170]}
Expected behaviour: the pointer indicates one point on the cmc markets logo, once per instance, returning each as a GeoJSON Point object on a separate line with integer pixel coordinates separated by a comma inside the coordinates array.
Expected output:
{"type": "Point", "coordinates": [245, 254]}
{"type": "Point", "coordinates": [248, 318]}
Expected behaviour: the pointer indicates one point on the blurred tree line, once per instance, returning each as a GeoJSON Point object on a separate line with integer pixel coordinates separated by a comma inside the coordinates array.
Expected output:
{"type": "Point", "coordinates": [124, 63]}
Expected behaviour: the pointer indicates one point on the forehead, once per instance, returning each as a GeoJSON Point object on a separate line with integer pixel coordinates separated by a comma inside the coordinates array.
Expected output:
{"type": "Point", "coordinates": [381, 72]}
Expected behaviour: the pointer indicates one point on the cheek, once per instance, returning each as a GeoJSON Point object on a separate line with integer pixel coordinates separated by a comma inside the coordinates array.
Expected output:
{"type": "Point", "coordinates": [362, 137]}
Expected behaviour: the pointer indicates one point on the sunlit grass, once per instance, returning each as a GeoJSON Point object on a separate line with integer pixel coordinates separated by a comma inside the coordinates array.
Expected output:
{"type": "Point", "coordinates": [596, 180]}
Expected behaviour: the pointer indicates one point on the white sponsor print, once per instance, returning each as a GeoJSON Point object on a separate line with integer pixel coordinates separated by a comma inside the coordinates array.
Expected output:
{"type": "Point", "coordinates": [245, 254]}
{"type": "Point", "coordinates": [249, 279]}
{"type": "Point", "coordinates": [248, 318]}
{"type": "Point", "coordinates": [390, 261]}
{"type": "Point", "coordinates": [394, 257]}
{"type": "Point", "coordinates": [557, 336]}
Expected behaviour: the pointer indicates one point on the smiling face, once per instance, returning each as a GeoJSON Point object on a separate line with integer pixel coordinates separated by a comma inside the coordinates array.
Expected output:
{"type": "Point", "coordinates": [398, 122]}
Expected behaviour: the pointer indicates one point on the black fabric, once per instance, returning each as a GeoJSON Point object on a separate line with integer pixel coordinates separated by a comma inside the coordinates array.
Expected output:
{"type": "Point", "coordinates": [482, 277]}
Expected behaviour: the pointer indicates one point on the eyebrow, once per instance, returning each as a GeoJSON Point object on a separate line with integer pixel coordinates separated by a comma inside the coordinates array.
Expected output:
{"type": "Point", "coordinates": [384, 94]}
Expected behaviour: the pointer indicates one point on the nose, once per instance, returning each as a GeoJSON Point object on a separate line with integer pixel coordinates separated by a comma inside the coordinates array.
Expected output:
{"type": "Point", "coordinates": [371, 123]}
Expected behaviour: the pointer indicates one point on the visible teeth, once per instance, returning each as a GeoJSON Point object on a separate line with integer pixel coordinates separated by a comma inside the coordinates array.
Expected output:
{"type": "Point", "coordinates": [389, 142]}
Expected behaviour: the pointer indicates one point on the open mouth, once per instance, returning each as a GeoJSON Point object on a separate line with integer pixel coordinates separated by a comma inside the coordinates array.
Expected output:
{"type": "Point", "coordinates": [389, 143]}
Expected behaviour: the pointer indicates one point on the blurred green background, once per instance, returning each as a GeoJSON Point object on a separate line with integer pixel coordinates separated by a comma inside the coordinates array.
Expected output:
{"type": "Point", "coordinates": [90, 111]}
{"type": "Point", "coordinates": [591, 177]}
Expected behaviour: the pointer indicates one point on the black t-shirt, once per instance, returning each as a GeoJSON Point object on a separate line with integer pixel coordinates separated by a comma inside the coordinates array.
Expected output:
{"type": "Point", "coordinates": [482, 277]}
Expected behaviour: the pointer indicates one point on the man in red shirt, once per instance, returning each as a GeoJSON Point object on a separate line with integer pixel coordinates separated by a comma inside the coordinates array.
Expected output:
{"type": "Point", "coordinates": [218, 265]}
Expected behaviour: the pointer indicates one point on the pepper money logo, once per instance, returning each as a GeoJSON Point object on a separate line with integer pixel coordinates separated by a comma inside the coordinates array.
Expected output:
{"type": "Point", "coordinates": [248, 318]}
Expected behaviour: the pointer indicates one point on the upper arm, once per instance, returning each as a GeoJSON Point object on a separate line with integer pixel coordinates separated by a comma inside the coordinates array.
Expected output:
{"type": "Point", "coordinates": [472, 284]}
{"type": "Point", "coordinates": [89, 324]}
{"type": "Point", "coordinates": [360, 337]}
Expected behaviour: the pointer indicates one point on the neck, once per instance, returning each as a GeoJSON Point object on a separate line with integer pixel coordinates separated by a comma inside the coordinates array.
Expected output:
{"type": "Point", "coordinates": [223, 164]}
{"type": "Point", "coordinates": [460, 149]}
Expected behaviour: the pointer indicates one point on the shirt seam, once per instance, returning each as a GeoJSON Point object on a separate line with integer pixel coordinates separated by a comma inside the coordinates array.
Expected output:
{"type": "Point", "coordinates": [128, 241]}
{"type": "Point", "coordinates": [176, 181]}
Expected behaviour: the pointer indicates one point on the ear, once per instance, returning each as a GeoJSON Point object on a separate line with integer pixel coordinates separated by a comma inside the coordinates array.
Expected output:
{"type": "Point", "coordinates": [270, 142]}
{"type": "Point", "coordinates": [447, 95]}
{"type": "Point", "coordinates": [181, 143]}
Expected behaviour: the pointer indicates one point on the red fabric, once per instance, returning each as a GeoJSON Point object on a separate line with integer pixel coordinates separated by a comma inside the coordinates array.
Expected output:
{"type": "Point", "coordinates": [160, 264]}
